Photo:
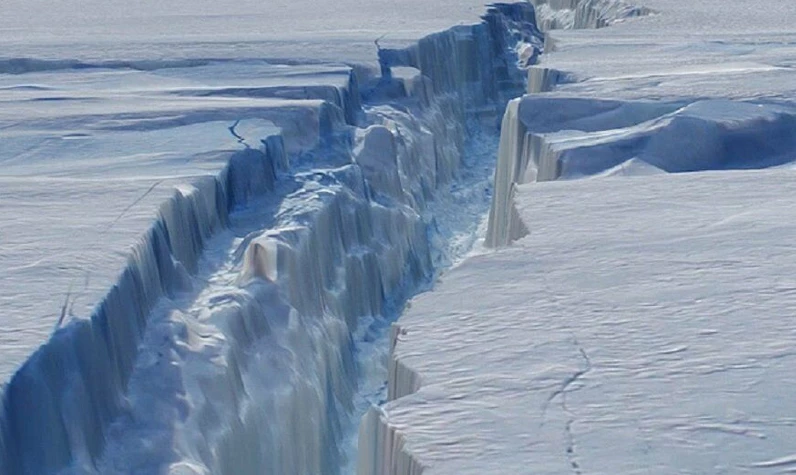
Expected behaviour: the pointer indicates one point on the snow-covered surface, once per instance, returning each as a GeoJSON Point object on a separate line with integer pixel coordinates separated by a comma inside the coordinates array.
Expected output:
{"type": "Point", "coordinates": [645, 325]}
{"type": "Point", "coordinates": [150, 30]}
{"type": "Point", "coordinates": [711, 48]}
{"type": "Point", "coordinates": [89, 157]}
{"type": "Point", "coordinates": [219, 209]}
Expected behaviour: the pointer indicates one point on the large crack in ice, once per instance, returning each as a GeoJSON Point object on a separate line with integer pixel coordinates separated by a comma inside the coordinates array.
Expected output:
{"type": "Point", "coordinates": [545, 138]}
{"type": "Point", "coordinates": [230, 342]}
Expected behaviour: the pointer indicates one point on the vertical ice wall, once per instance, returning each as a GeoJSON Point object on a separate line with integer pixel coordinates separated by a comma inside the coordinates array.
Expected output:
{"type": "Point", "coordinates": [569, 15]}
{"type": "Point", "coordinates": [583, 14]}
{"type": "Point", "coordinates": [59, 403]}
{"type": "Point", "coordinates": [524, 156]}
{"type": "Point", "coordinates": [487, 69]}
{"type": "Point", "coordinates": [547, 138]}
{"type": "Point", "coordinates": [257, 374]}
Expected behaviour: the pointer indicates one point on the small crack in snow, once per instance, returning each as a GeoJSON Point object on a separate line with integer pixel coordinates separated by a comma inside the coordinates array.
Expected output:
{"type": "Point", "coordinates": [570, 448]}
{"type": "Point", "coordinates": [562, 391]}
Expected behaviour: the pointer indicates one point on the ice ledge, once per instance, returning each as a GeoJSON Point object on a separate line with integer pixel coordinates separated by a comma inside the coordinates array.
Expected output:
{"type": "Point", "coordinates": [548, 138]}
{"type": "Point", "coordinates": [59, 403]}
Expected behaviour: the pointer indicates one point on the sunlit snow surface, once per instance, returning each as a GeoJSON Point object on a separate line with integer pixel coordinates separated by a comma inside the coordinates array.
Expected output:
{"type": "Point", "coordinates": [645, 325]}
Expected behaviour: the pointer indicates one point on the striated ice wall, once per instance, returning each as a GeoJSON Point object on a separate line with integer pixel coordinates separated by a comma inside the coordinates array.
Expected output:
{"type": "Point", "coordinates": [485, 65]}
{"type": "Point", "coordinates": [549, 138]}
{"type": "Point", "coordinates": [58, 405]}
{"type": "Point", "coordinates": [583, 14]}
{"type": "Point", "coordinates": [573, 15]}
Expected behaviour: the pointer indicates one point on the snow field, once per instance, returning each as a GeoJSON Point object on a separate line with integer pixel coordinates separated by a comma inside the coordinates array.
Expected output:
{"type": "Point", "coordinates": [609, 339]}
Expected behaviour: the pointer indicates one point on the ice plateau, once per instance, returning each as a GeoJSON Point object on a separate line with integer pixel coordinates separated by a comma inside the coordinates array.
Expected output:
{"type": "Point", "coordinates": [212, 212]}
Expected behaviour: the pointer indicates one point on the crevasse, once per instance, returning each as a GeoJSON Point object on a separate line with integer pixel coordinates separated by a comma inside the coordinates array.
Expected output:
{"type": "Point", "coordinates": [227, 343]}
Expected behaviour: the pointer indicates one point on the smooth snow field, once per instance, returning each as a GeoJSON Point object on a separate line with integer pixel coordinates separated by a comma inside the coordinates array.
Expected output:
{"type": "Point", "coordinates": [644, 325]}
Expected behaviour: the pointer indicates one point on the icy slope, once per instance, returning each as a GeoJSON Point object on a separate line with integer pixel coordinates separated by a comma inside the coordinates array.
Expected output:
{"type": "Point", "coordinates": [644, 326]}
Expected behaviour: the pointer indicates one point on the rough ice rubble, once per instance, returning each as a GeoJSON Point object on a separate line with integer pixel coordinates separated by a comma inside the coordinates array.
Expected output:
{"type": "Point", "coordinates": [181, 330]}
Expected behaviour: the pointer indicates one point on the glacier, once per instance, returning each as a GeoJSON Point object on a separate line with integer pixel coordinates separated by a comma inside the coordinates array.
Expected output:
{"type": "Point", "coordinates": [225, 236]}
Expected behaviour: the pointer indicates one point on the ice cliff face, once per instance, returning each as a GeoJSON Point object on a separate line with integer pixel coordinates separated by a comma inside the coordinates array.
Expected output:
{"type": "Point", "coordinates": [546, 139]}
{"type": "Point", "coordinates": [583, 14]}
{"type": "Point", "coordinates": [227, 343]}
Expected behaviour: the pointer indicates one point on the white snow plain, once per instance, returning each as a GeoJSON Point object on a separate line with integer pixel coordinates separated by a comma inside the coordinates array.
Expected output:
{"type": "Point", "coordinates": [634, 318]}
{"type": "Point", "coordinates": [150, 30]}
